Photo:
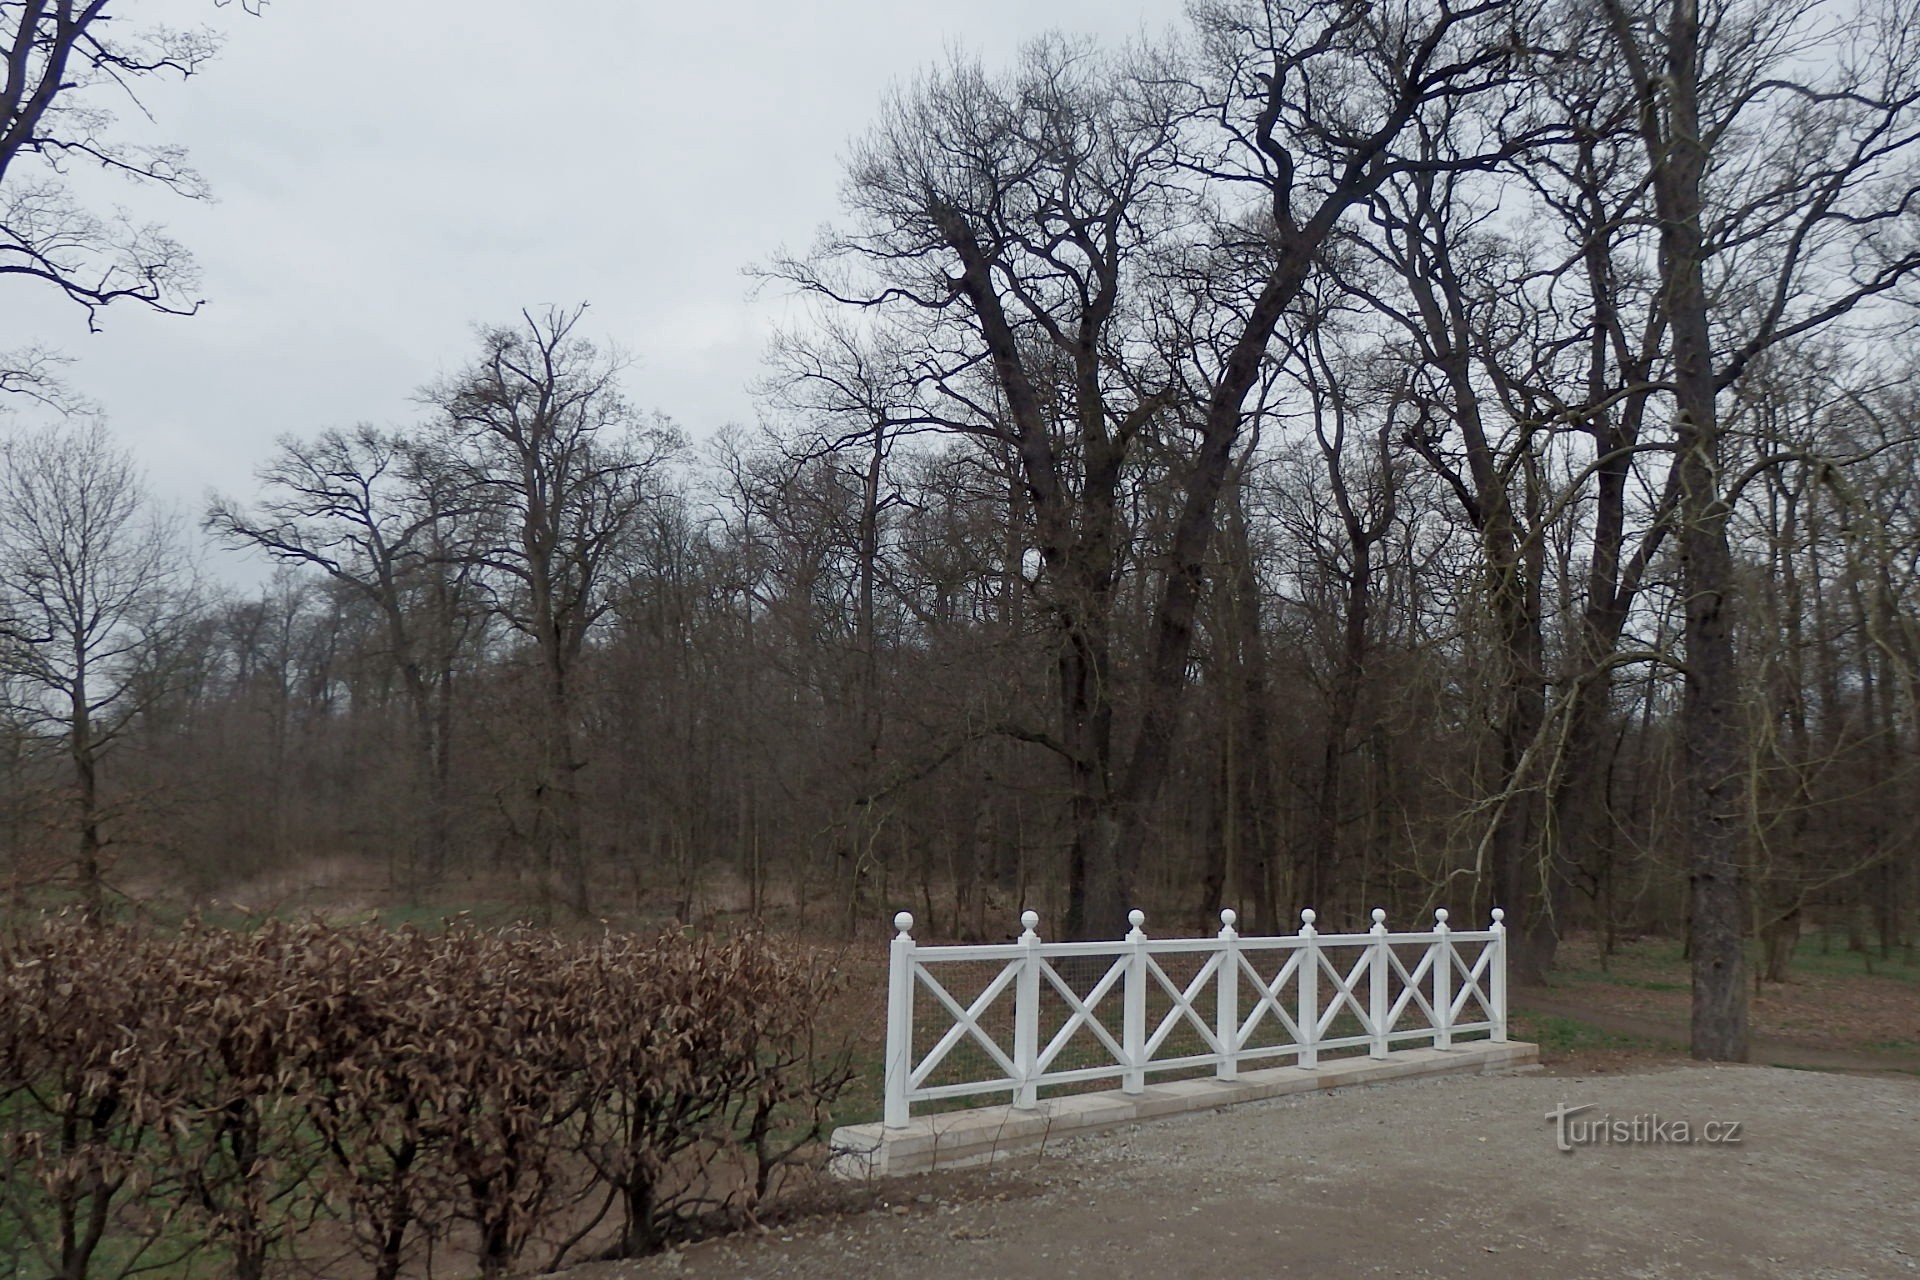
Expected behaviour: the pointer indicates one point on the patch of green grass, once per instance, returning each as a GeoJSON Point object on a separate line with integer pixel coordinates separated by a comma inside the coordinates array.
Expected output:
{"type": "Point", "coordinates": [1556, 1034]}
{"type": "Point", "coordinates": [1653, 964]}
{"type": "Point", "coordinates": [1660, 964]}
{"type": "Point", "coordinates": [215, 916]}
{"type": "Point", "coordinates": [179, 1252]}
{"type": "Point", "coordinates": [431, 916]}
{"type": "Point", "coordinates": [861, 1101]}
{"type": "Point", "coordinates": [168, 916]}
{"type": "Point", "coordinates": [1839, 962]}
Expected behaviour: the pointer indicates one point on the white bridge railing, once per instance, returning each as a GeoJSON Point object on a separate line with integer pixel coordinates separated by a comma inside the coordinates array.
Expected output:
{"type": "Point", "coordinates": [1247, 999]}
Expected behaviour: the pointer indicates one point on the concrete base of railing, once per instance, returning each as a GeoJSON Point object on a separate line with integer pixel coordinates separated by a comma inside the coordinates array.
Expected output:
{"type": "Point", "coordinates": [986, 1135]}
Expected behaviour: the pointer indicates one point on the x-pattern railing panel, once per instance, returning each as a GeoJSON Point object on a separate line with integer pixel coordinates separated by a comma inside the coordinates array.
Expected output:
{"type": "Point", "coordinates": [1083, 1014]}
{"type": "Point", "coordinates": [1410, 986]}
{"type": "Point", "coordinates": [966, 1022]}
{"type": "Point", "coordinates": [1183, 1010]}
{"type": "Point", "coordinates": [1344, 996]}
{"type": "Point", "coordinates": [1472, 979]}
{"type": "Point", "coordinates": [1268, 1000]}
{"type": "Point", "coordinates": [1306, 986]}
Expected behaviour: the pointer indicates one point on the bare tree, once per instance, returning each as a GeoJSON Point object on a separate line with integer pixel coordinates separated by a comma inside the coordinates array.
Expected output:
{"type": "Point", "coordinates": [1017, 237]}
{"type": "Point", "coordinates": [66, 63]}
{"type": "Point", "coordinates": [1751, 256]}
{"type": "Point", "coordinates": [558, 471]}
{"type": "Point", "coordinates": [1358, 427]}
{"type": "Point", "coordinates": [372, 510]}
{"type": "Point", "coordinates": [854, 398]}
{"type": "Point", "coordinates": [92, 589]}
{"type": "Point", "coordinates": [1028, 225]}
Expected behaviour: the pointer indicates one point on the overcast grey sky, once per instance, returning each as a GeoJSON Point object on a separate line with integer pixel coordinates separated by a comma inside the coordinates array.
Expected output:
{"type": "Point", "coordinates": [388, 172]}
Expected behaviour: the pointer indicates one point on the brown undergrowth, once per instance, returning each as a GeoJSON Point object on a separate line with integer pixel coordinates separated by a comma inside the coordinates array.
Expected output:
{"type": "Point", "coordinates": [240, 1099]}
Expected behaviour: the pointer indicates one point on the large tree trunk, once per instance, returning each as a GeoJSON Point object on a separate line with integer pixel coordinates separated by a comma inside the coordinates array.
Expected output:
{"type": "Point", "coordinates": [562, 841]}
{"type": "Point", "coordinates": [1075, 536]}
{"type": "Point", "coordinates": [1516, 857]}
{"type": "Point", "coordinates": [1320, 861]}
{"type": "Point", "coordinates": [1098, 884]}
{"type": "Point", "coordinates": [1171, 643]}
{"type": "Point", "coordinates": [86, 800]}
{"type": "Point", "coordinates": [431, 779]}
{"type": "Point", "coordinates": [1712, 778]}
{"type": "Point", "coordinates": [1584, 829]}
{"type": "Point", "coordinates": [1241, 846]}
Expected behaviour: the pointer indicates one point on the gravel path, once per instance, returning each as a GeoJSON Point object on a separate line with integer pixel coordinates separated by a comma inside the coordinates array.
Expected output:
{"type": "Point", "coordinates": [1456, 1177]}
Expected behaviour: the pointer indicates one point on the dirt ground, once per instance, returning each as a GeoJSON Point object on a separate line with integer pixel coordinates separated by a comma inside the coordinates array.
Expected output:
{"type": "Point", "coordinates": [1664, 1028]}
{"type": "Point", "coordinates": [1842, 1010]}
{"type": "Point", "coordinates": [1457, 1177]}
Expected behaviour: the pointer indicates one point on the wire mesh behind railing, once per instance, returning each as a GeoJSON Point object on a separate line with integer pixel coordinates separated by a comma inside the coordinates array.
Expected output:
{"type": "Point", "coordinates": [973, 1023]}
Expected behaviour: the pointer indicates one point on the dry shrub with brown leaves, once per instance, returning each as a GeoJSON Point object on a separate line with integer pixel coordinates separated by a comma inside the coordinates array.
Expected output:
{"type": "Point", "coordinates": [251, 1094]}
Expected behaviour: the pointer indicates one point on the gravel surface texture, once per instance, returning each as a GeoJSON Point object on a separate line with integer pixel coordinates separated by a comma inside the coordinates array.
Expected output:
{"type": "Point", "coordinates": [1453, 1177]}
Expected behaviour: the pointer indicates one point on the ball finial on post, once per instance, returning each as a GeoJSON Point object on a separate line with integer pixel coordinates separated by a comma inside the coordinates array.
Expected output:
{"type": "Point", "coordinates": [904, 923]}
{"type": "Point", "coordinates": [1440, 918]}
{"type": "Point", "coordinates": [1030, 921]}
{"type": "Point", "coordinates": [1137, 918]}
{"type": "Point", "coordinates": [1307, 916]}
{"type": "Point", "coordinates": [1379, 920]}
{"type": "Point", "coordinates": [1228, 917]}
{"type": "Point", "coordinates": [1499, 917]}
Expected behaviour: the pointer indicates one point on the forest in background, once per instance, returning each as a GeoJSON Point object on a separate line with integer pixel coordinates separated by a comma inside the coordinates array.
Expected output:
{"type": "Point", "coordinates": [1396, 455]}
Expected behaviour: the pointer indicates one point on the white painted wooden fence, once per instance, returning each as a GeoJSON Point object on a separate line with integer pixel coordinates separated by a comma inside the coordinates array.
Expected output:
{"type": "Point", "coordinates": [1300, 983]}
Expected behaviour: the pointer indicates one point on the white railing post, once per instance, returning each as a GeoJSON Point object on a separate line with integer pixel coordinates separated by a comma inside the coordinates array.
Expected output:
{"type": "Point", "coordinates": [1377, 1007]}
{"type": "Point", "coordinates": [1026, 1015]}
{"type": "Point", "coordinates": [1135, 1029]}
{"type": "Point", "coordinates": [1226, 1014]}
{"type": "Point", "coordinates": [1442, 982]}
{"type": "Point", "coordinates": [1497, 978]}
{"type": "Point", "coordinates": [1307, 976]}
{"type": "Point", "coordinates": [899, 1064]}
